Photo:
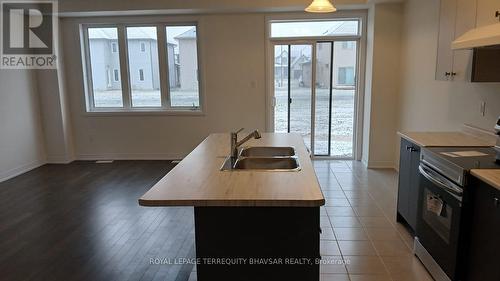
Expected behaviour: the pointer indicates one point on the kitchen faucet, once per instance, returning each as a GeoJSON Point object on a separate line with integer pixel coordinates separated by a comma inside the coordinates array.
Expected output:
{"type": "Point", "coordinates": [235, 143]}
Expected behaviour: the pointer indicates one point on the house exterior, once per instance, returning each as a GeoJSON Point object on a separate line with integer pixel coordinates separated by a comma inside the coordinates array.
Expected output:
{"type": "Point", "coordinates": [281, 68]}
{"type": "Point", "coordinates": [143, 60]}
{"type": "Point", "coordinates": [188, 60]}
{"type": "Point", "coordinates": [298, 57]}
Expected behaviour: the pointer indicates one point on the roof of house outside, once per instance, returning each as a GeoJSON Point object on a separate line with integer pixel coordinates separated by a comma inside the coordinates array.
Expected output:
{"type": "Point", "coordinates": [134, 33]}
{"type": "Point", "coordinates": [295, 52]}
{"type": "Point", "coordinates": [302, 59]}
{"type": "Point", "coordinates": [189, 34]}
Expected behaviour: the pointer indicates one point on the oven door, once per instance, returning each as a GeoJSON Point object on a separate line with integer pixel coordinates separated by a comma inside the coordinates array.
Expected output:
{"type": "Point", "coordinates": [438, 218]}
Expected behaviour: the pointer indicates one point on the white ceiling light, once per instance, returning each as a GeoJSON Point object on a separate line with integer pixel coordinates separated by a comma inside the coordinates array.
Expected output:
{"type": "Point", "coordinates": [321, 6]}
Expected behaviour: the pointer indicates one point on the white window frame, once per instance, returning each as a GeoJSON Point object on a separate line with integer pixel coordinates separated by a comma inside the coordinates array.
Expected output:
{"type": "Point", "coordinates": [360, 15]}
{"type": "Point", "coordinates": [124, 72]}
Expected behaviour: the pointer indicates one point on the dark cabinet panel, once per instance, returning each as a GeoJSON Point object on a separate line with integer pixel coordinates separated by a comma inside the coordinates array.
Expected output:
{"type": "Point", "coordinates": [414, 186]}
{"type": "Point", "coordinates": [408, 183]}
{"type": "Point", "coordinates": [404, 179]}
{"type": "Point", "coordinates": [484, 246]}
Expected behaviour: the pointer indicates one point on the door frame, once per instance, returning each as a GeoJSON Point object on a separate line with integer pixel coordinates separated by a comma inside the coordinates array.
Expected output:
{"type": "Point", "coordinates": [361, 15]}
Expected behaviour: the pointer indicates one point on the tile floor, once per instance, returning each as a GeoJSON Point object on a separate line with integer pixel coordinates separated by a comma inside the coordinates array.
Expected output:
{"type": "Point", "coordinates": [361, 240]}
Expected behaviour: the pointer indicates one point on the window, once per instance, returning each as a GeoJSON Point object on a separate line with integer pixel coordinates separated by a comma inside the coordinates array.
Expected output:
{"type": "Point", "coordinates": [102, 95]}
{"type": "Point", "coordinates": [141, 74]}
{"type": "Point", "coordinates": [144, 85]}
{"type": "Point", "coordinates": [348, 45]}
{"type": "Point", "coordinates": [151, 50]}
{"type": "Point", "coordinates": [317, 28]}
{"type": "Point", "coordinates": [183, 72]}
{"type": "Point", "coordinates": [345, 76]}
{"type": "Point", "coordinates": [116, 75]}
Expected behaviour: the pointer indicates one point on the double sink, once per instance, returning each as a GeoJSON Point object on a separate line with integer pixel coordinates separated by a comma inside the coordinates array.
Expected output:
{"type": "Point", "coordinates": [264, 158]}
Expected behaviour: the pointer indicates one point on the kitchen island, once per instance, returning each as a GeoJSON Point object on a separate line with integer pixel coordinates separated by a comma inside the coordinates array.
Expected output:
{"type": "Point", "coordinates": [249, 224]}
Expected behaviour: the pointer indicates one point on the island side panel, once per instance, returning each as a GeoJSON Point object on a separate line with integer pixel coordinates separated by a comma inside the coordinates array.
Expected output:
{"type": "Point", "coordinates": [287, 234]}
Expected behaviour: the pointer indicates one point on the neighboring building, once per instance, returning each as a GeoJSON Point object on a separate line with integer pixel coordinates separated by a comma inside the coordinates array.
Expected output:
{"type": "Point", "coordinates": [281, 65]}
{"type": "Point", "coordinates": [188, 60]}
{"type": "Point", "coordinates": [143, 60]}
{"type": "Point", "coordinates": [281, 68]}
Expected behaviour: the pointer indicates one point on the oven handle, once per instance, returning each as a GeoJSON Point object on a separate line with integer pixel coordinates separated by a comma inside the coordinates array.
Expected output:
{"type": "Point", "coordinates": [439, 181]}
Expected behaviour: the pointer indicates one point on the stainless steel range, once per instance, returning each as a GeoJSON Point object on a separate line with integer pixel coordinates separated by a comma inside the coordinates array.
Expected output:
{"type": "Point", "coordinates": [443, 203]}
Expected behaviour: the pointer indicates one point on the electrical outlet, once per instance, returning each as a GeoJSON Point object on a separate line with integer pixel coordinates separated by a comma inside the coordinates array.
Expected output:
{"type": "Point", "coordinates": [482, 108]}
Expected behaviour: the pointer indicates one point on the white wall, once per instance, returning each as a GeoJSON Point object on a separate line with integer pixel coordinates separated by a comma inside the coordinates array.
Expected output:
{"type": "Point", "coordinates": [430, 105]}
{"type": "Point", "coordinates": [54, 107]}
{"type": "Point", "coordinates": [382, 85]}
{"type": "Point", "coordinates": [21, 137]}
{"type": "Point", "coordinates": [233, 77]}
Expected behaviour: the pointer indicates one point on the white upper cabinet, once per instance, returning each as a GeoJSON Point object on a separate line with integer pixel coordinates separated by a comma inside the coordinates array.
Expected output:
{"type": "Point", "coordinates": [447, 16]}
{"type": "Point", "coordinates": [466, 20]}
{"type": "Point", "coordinates": [456, 18]}
{"type": "Point", "coordinates": [486, 12]}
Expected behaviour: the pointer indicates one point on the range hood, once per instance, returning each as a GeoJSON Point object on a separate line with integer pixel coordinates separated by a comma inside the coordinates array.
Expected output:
{"type": "Point", "coordinates": [479, 37]}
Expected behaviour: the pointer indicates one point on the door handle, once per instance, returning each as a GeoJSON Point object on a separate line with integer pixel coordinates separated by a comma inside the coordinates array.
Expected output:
{"type": "Point", "coordinates": [496, 202]}
{"type": "Point", "coordinates": [450, 188]}
{"type": "Point", "coordinates": [411, 148]}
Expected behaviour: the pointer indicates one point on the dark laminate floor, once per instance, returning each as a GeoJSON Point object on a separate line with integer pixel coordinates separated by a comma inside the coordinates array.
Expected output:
{"type": "Point", "coordinates": [81, 221]}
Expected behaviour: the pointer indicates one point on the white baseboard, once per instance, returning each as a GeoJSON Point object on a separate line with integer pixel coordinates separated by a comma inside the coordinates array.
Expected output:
{"type": "Point", "coordinates": [6, 175]}
{"type": "Point", "coordinates": [131, 156]}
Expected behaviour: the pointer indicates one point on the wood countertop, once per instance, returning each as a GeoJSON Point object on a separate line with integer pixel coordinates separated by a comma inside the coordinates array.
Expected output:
{"type": "Point", "coordinates": [198, 181]}
{"type": "Point", "coordinates": [445, 139]}
{"type": "Point", "coordinates": [489, 176]}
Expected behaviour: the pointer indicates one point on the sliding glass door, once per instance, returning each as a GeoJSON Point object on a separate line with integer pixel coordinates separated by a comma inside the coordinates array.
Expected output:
{"type": "Point", "coordinates": [344, 89]}
{"type": "Point", "coordinates": [293, 90]}
{"type": "Point", "coordinates": [315, 94]}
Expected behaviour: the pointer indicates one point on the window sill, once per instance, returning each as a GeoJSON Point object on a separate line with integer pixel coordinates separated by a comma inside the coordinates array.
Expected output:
{"type": "Point", "coordinates": [146, 112]}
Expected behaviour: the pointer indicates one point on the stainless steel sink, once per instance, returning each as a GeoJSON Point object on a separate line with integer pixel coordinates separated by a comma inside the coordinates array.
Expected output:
{"type": "Point", "coordinates": [267, 151]}
{"type": "Point", "coordinates": [264, 158]}
{"type": "Point", "coordinates": [275, 163]}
